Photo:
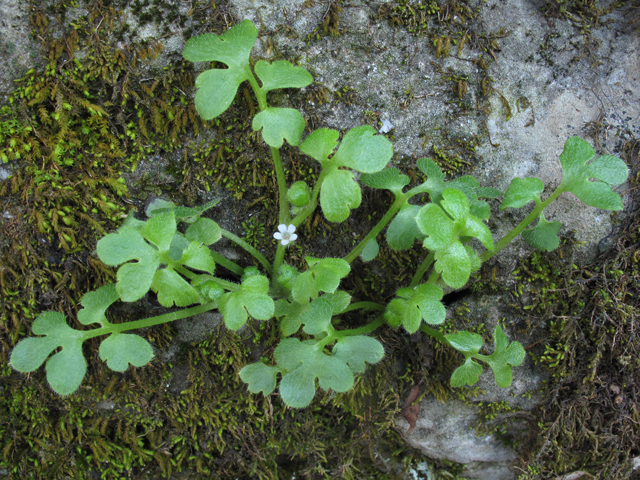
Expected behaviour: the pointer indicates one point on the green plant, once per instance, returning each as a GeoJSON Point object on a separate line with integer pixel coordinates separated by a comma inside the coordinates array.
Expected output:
{"type": "Point", "coordinates": [180, 267]}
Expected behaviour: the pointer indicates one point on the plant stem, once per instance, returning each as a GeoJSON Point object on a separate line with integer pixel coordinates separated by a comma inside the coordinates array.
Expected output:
{"type": "Point", "coordinates": [424, 266]}
{"type": "Point", "coordinates": [151, 321]}
{"type": "Point", "coordinates": [226, 263]}
{"type": "Point", "coordinates": [362, 330]}
{"type": "Point", "coordinates": [256, 254]}
{"type": "Point", "coordinates": [434, 333]}
{"type": "Point", "coordinates": [393, 209]}
{"type": "Point", "coordinates": [363, 306]}
{"type": "Point", "coordinates": [517, 230]}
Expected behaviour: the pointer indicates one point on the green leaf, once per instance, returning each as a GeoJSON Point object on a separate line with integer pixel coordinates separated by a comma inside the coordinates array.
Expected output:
{"type": "Point", "coordinates": [279, 124]}
{"type": "Point", "coordinates": [358, 349]}
{"type": "Point", "coordinates": [436, 225]}
{"type": "Point", "coordinates": [160, 230]}
{"type": "Point", "coordinates": [66, 369]}
{"type": "Point", "coordinates": [414, 305]}
{"type": "Point", "coordinates": [576, 175]}
{"type": "Point", "coordinates": [302, 363]}
{"type": "Point", "coordinates": [370, 250]}
{"type": "Point", "coordinates": [339, 301]}
{"type": "Point", "coordinates": [320, 144]}
{"type": "Point", "coordinates": [389, 178]}
{"type": "Point", "coordinates": [217, 87]}
{"type": "Point", "coordinates": [455, 203]}
{"type": "Point", "coordinates": [522, 191]}
{"type": "Point", "coordinates": [488, 192]}
{"type": "Point", "coordinates": [504, 357]}
{"type": "Point", "coordinates": [208, 288]}
{"type": "Point", "coordinates": [95, 305]}
{"type": "Point", "coordinates": [121, 349]}
{"type": "Point", "coordinates": [232, 47]}
{"type": "Point", "coordinates": [474, 227]}
{"type": "Point", "coordinates": [466, 342]}
{"type": "Point", "coordinates": [260, 377]}
{"type": "Point", "coordinates": [182, 214]}
{"type": "Point", "coordinates": [323, 275]}
{"type": "Point", "coordinates": [178, 245]}
{"type": "Point", "coordinates": [317, 318]}
{"type": "Point", "coordinates": [287, 275]}
{"type": "Point", "coordinates": [281, 74]}
{"type": "Point", "coordinates": [134, 279]}
{"type": "Point", "coordinates": [299, 194]}
{"type": "Point", "coordinates": [466, 374]}
{"type": "Point", "coordinates": [363, 151]}
{"type": "Point", "coordinates": [291, 314]}
{"type": "Point", "coordinates": [403, 229]}
{"type": "Point", "coordinates": [198, 257]}
{"type": "Point", "coordinates": [544, 236]}
{"type": "Point", "coordinates": [454, 264]}
{"type": "Point", "coordinates": [480, 209]}
{"type": "Point", "coordinates": [339, 194]}
{"type": "Point", "coordinates": [252, 298]}
{"type": "Point", "coordinates": [204, 230]}
{"type": "Point", "coordinates": [172, 288]}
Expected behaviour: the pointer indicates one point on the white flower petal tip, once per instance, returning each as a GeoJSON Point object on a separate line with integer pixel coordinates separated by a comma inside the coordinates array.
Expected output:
{"type": "Point", "coordinates": [285, 234]}
{"type": "Point", "coordinates": [387, 126]}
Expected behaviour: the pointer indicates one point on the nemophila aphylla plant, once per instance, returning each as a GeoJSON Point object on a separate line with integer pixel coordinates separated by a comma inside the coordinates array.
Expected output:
{"type": "Point", "coordinates": [181, 267]}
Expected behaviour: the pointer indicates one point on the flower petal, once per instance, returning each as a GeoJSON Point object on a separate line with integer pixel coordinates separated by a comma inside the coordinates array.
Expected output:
{"type": "Point", "coordinates": [284, 241]}
{"type": "Point", "coordinates": [277, 236]}
{"type": "Point", "coordinates": [282, 228]}
{"type": "Point", "coordinates": [291, 228]}
{"type": "Point", "coordinates": [293, 237]}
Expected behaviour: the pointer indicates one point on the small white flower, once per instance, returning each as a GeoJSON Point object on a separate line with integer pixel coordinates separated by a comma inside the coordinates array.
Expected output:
{"type": "Point", "coordinates": [285, 234]}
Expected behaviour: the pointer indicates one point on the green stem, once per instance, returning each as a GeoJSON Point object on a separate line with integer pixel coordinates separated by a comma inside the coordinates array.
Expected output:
{"type": "Point", "coordinates": [433, 278]}
{"type": "Point", "coordinates": [363, 306]}
{"type": "Point", "coordinates": [226, 263]}
{"type": "Point", "coordinates": [517, 230]}
{"type": "Point", "coordinates": [309, 209]}
{"type": "Point", "coordinates": [260, 94]}
{"type": "Point", "coordinates": [233, 287]}
{"type": "Point", "coordinates": [151, 321]}
{"type": "Point", "coordinates": [434, 333]}
{"type": "Point", "coordinates": [393, 209]}
{"type": "Point", "coordinates": [424, 266]}
{"type": "Point", "coordinates": [256, 254]}
{"type": "Point", "coordinates": [337, 334]}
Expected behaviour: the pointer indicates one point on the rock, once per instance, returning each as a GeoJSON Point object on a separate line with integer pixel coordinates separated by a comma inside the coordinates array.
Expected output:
{"type": "Point", "coordinates": [445, 431]}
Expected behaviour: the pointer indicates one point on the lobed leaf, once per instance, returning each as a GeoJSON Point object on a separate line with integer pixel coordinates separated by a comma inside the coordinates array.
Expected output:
{"type": "Point", "coordinates": [576, 175]}
{"type": "Point", "coordinates": [454, 264]}
{"type": "Point", "coordinates": [121, 349]}
{"type": "Point", "coordinates": [260, 377]}
{"type": "Point", "coordinates": [290, 314]}
{"type": "Point", "coordinates": [320, 144]}
{"type": "Point", "coordinates": [301, 364]}
{"type": "Point", "coordinates": [436, 225]}
{"type": "Point", "coordinates": [317, 318]}
{"type": "Point", "coordinates": [134, 279]}
{"type": "Point", "coordinates": [544, 236]}
{"type": "Point", "coordinates": [66, 369]}
{"type": "Point", "coordinates": [198, 257]}
{"type": "Point", "coordinates": [505, 356]}
{"type": "Point", "coordinates": [364, 151]}
{"type": "Point", "coordinates": [403, 229]}
{"type": "Point", "coordinates": [172, 288]}
{"type": "Point", "coordinates": [522, 191]}
{"type": "Point", "coordinates": [465, 342]}
{"type": "Point", "coordinates": [339, 194]}
{"type": "Point", "coordinates": [358, 349]}
{"type": "Point", "coordinates": [279, 124]}
{"type": "Point", "coordinates": [204, 230]}
{"type": "Point", "coordinates": [414, 305]}
{"type": "Point", "coordinates": [281, 74]}
{"type": "Point", "coordinates": [323, 275]}
{"type": "Point", "coordinates": [95, 305]}
{"type": "Point", "coordinates": [252, 298]}
{"type": "Point", "coordinates": [389, 178]}
{"type": "Point", "coordinates": [466, 374]}
{"type": "Point", "coordinates": [217, 87]}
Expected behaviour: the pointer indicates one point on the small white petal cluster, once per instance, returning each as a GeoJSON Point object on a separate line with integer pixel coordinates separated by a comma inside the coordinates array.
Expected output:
{"type": "Point", "coordinates": [285, 234]}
